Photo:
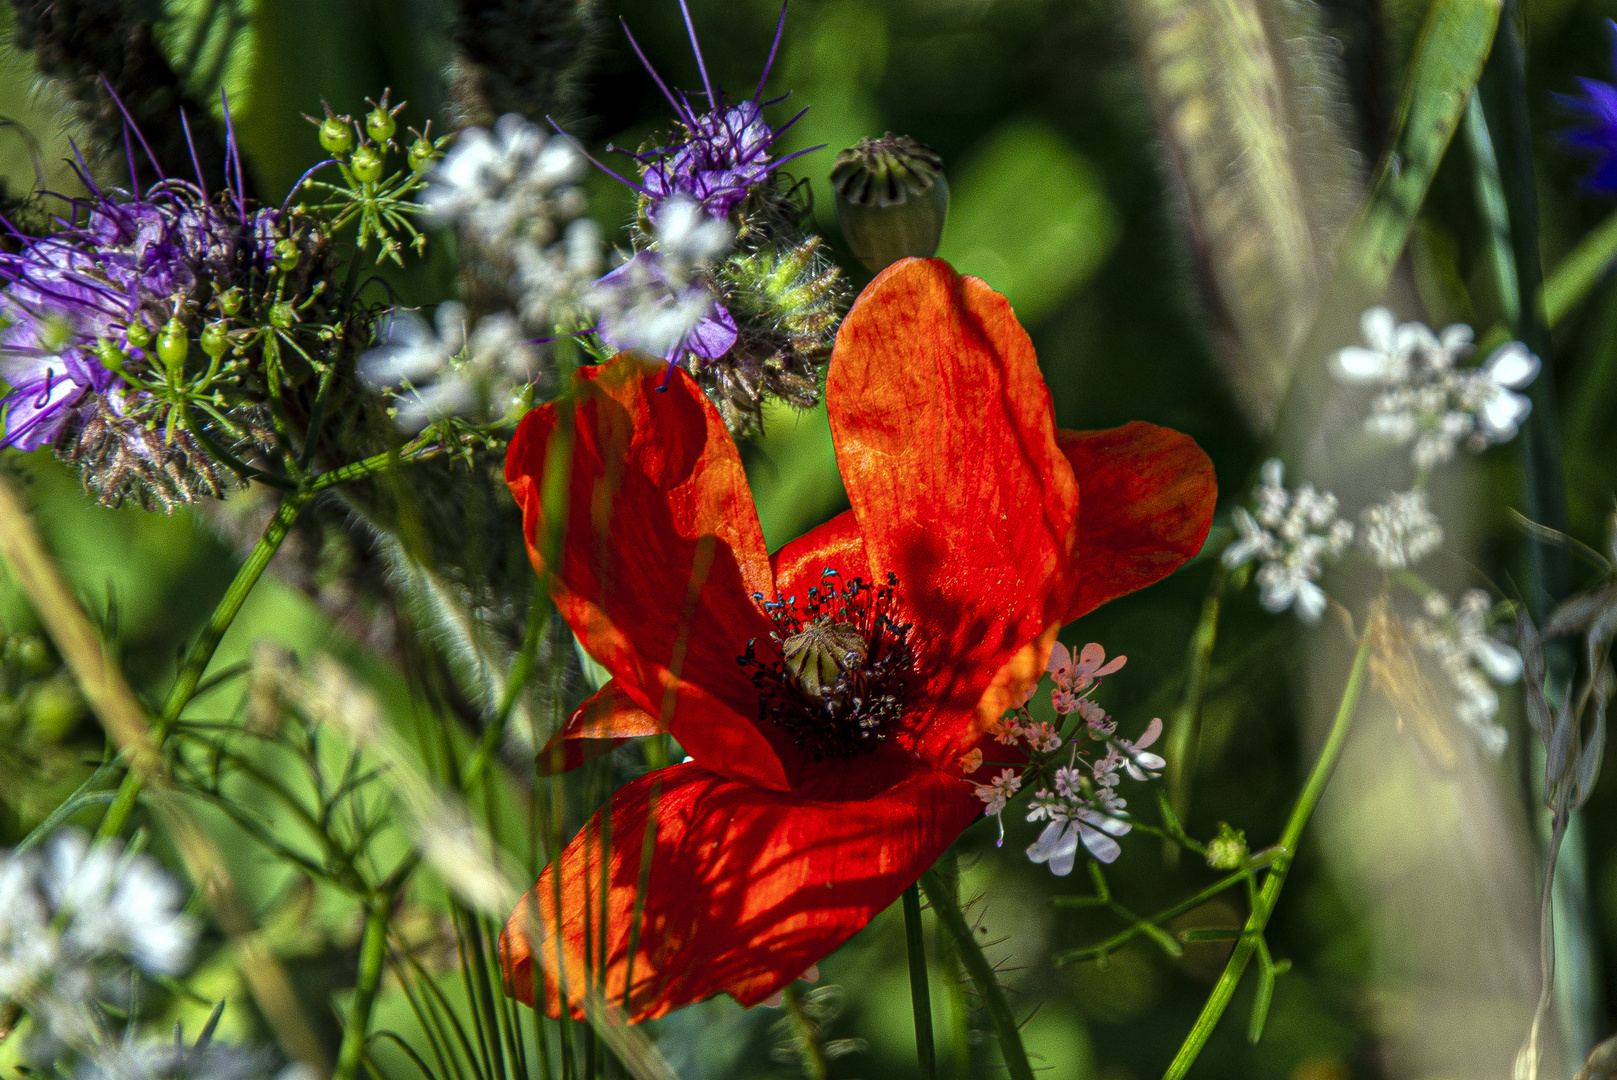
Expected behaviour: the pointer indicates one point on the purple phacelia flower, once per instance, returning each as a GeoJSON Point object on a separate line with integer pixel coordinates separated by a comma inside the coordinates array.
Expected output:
{"type": "Point", "coordinates": [117, 261]}
{"type": "Point", "coordinates": [1597, 133]}
{"type": "Point", "coordinates": [642, 307]}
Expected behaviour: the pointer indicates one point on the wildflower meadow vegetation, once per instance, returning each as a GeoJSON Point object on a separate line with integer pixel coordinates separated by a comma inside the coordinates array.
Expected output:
{"type": "Point", "coordinates": [556, 539]}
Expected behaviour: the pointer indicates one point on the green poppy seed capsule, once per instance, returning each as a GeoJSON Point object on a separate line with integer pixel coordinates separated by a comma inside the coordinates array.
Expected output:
{"type": "Point", "coordinates": [282, 315]}
{"type": "Point", "coordinates": [367, 164]}
{"type": "Point", "coordinates": [286, 254]}
{"type": "Point", "coordinates": [891, 199]}
{"type": "Point", "coordinates": [173, 345]}
{"type": "Point", "coordinates": [336, 137]}
{"type": "Point", "coordinates": [379, 124]}
{"type": "Point", "coordinates": [230, 300]}
{"type": "Point", "coordinates": [819, 654]}
{"type": "Point", "coordinates": [422, 154]}
{"type": "Point", "coordinates": [138, 334]}
{"type": "Point", "coordinates": [214, 340]}
{"type": "Point", "coordinates": [112, 358]}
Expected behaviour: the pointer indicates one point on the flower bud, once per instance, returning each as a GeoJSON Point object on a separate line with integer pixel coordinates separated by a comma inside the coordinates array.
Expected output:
{"type": "Point", "coordinates": [367, 164]}
{"type": "Point", "coordinates": [282, 315]}
{"type": "Point", "coordinates": [138, 334]}
{"type": "Point", "coordinates": [422, 154]}
{"type": "Point", "coordinates": [214, 340]}
{"type": "Point", "coordinates": [173, 345]}
{"type": "Point", "coordinates": [379, 124]}
{"type": "Point", "coordinates": [230, 300]}
{"type": "Point", "coordinates": [1228, 849]}
{"type": "Point", "coordinates": [286, 253]}
{"type": "Point", "coordinates": [891, 199]}
{"type": "Point", "coordinates": [31, 654]}
{"type": "Point", "coordinates": [55, 708]}
{"type": "Point", "coordinates": [336, 137]}
{"type": "Point", "coordinates": [112, 358]}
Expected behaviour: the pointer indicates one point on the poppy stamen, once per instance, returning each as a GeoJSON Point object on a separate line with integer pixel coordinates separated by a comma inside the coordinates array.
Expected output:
{"type": "Point", "coordinates": [837, 685]}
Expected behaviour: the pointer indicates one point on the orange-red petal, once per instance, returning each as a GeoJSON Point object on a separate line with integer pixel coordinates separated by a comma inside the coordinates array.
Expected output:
{"type": "Point", "coordinates": [747, 887]}
{"type": "Point", "coordinates": [835, 545]}
{"type": "Point", "coordinates": [1148, 503]}
{"type": "Point", "coordinates": [660, 554]}
{"type": "Point", "coordinates": [946, 440]}
{"type": "Point", "coordinates": [606, 719]}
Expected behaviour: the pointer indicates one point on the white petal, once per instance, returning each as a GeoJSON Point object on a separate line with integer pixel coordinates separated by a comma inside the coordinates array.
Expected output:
{"type": "Point", "coordinates": [1310, 603]}
{"type": "Point", "coordinates": [1502, 663]}
{"type": "Point", "coordinates": [1456, 338]}
{"type": "Point", "coordinates": [1377, 327]}
{"type": "Point", "coordinates": [1273, 472]}
{"type": "Point", "coordinates": [1504, 413]}
{"type": "Point", "coordinates": [1512, 366]}
{"type": "Point", "coordinates": [1056, 845]}
{"type": "Point", "coordinates": [1152, 731]}
{"type": "Point", "coordinates": [1356, 365]}
{"type": "Point", "coordinates": [1100, 845]}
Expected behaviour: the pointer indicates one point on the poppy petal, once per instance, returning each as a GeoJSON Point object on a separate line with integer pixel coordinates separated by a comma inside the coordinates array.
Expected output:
{"type": "Point", "coordinates": [836, 545]}
{"type": "Point", "coordinates": [946, 441]}
{"type": "Point", "coordinates": [661, 554]}
{"type": "Point", "coordinates": [747, 887]}
{"type": "Point", "coordinates": [1148, 503]}
{"type": "Point", "coordinates": [607, 719]}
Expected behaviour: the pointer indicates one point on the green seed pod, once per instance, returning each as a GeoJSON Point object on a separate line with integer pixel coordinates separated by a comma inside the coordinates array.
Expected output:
{"type": "Point", "coordinates": [379, 124]}
{"type": "Point", "coordinates": [173, 345]}
{"type": "Point", "coordinates": [1228, 849]}
{"type": "Point", "coordinates": [31, 654]}
{"type": "Point", "coordinates": [230, 300]}
{"type": "Point", "coordinates": [55, 708]}
{"type": "Point", "coordinates": [112, 358]}
{"type": "Point", "coordinates": [819, 654]}
{"type": "Point", "coordinates": [139, 335]}
{"type": "Point", "coordinates": [422, 154]}
{"type": "Point", "coordinates": [283, 315]}
{"type": "Point", "coordinates": [214, 340]}
{"type": "Point", "coordinates": [336, 137]}
{"type": "Point", "coordinates": [367, 164]}
{"type": "Point", "coordinates": [891, 199]}
{"type": "Point", "coordinates": [286, 253]}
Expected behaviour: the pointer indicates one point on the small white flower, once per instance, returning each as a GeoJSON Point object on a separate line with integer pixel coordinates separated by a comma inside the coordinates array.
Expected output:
{"type": "Point", "coordinates": [1400, 532]}
{"type": "Point", "coordinates": [998, 792]}
{"type": "Point", "coordinates": [1290, 536]}
{"type": "Point", "coordinates": [1141, 765]}
{"type": "Point", "coordinates": [1472, 658]}
{"type": "Point", "coordinates": [1057, 844]}
{"type": "Point", "coordinates": [434, 374]}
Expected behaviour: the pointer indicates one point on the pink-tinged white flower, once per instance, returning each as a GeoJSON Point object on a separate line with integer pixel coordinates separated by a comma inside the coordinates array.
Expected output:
{"type": "Point", "coordinates": [1075, 674]}
{"type": "Point", "coordinates": [997, 793]}
{"type": "Point", "coordinates": [1042, 737]}
{"type": "Point", "coordinates": [1141, 765]}
{"type": "Point", "coordinates": [1007, 731]}
{"type": "Point", "coordinates": [1095, 718]}
{"type": "Point", "coordinates": [1070, 826]}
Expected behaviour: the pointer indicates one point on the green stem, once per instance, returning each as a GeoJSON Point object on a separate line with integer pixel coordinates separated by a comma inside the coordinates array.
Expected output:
{"type": "Point", "coordinates": [1252, 933]}
{"type": "Point", "coordinates": [981, 973]}
{"type": "Point", "coordinates": [202, 650]}
{"type": "Point", "coordinates": [920, 996]}
{"type": "Point", "coordinates": [815, 1061]}
{"type": "Point", "coordinates": [372, 954]}
{"type": "Point", "coordinates": [516, 681]}
{"type": "Point", "coordinates": [1184, 727]}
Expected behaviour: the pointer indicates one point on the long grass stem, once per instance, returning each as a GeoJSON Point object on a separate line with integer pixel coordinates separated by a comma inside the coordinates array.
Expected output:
{"type": "Point", "coordinates": [1252, 933]}
{"type": "Point", "coordinates": [920, 995]}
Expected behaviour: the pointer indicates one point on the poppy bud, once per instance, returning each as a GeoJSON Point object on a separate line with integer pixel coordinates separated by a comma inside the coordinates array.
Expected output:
{"type": "Point", "coordinates": [336, 138]}
{"type": "Point", "coordinates": [173, 345]}
{"type": "Point", "coordinates": [367, 163]}
{"type": "Point", "coordinates": [820, 653]}
{"type": "Point", "coordinates": [214, 341]}
{"type": "Point", "coordinates": [891, 199]}
{"type": "Point", "coordinates": [286, 255]}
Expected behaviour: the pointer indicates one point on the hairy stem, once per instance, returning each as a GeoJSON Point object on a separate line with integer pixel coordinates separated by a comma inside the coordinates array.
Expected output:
{"type": "Point", "coordinates": [1252, 933]}
{"type": "Point", "coordinates": [202, 650]}
{"type": "Point", "coordinates": [815, 1061]}
{"type": "Point", "coordinates": [920, 996]}
{"type": "Point", "coordinates": [981, 973]}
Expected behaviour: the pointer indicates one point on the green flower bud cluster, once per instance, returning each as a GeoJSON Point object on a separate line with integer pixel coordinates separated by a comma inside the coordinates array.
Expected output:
{"type": "Point", "coordinates": [1227, 850]}
{"type": "Point", "coordinates": [39, 698]}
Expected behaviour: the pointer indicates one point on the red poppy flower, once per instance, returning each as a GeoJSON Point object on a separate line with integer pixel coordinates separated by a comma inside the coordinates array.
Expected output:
{"type": "Point", "coordinates": [826, 692]}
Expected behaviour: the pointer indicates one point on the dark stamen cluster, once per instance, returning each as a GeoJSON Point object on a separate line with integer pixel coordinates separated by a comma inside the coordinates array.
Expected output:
{"type": "Point", "coordinates": [837, 684]}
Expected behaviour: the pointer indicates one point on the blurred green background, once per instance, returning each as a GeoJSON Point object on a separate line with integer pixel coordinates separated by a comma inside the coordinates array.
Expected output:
{"type": "Point", "coordinates": [1062, 201]}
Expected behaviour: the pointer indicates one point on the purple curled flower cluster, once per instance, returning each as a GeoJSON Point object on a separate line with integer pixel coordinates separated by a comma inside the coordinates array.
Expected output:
{"type": "Point", "coordinates": [81, 304]}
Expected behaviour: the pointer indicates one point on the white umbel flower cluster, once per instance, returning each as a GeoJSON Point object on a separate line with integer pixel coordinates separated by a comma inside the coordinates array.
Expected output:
{"type": "Point", "coordinates": [1400, 532]}
{"type": "Point", "coordinates": [74, 918]}
{"type": "Point", "coordinates": [436, 372]}
{"type": "Point", "coordinates": [1457, 638]}
{"type": "Point", "coordinates": [1291, 536]}
{"type": "Point", "coordinates": [1426, 401]}
{"type": "Point", "coordinates": [513, 195]}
